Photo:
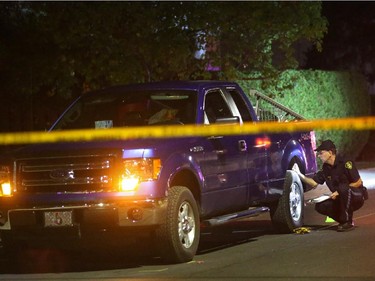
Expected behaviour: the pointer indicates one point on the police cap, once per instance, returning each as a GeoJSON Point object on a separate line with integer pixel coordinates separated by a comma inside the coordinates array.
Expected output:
{"type": "Point", "coordinates": [326, 145]}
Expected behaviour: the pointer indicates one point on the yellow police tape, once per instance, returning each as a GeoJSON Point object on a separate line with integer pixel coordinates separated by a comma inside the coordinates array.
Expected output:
{"type": "Point", "coordinates": [359, 123]}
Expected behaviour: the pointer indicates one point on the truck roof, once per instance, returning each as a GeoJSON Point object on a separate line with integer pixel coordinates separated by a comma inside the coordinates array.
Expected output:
{"type": "Point", "coordinates": [172, 85]}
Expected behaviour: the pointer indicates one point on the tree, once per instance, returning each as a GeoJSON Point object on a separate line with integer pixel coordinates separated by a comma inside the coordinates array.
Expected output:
{"type": "Point", "coordinates": [66, 48]}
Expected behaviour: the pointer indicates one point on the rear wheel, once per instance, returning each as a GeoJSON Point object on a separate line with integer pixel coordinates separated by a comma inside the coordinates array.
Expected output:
{"type": "Point", "coordinates": [178, 237]}
{"type": "Point", "coordinates": [288, 213]}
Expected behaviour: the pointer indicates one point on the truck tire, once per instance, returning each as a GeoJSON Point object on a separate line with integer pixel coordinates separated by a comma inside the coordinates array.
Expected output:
{"type": "Point", "coordinates": [287, 214]}
{"type": "Point", "coordinates": [178, 237]}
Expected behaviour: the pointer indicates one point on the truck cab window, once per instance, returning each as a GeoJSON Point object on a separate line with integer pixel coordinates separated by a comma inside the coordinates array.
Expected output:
{"type": "Point", "coordinates": [241, 105]}
{"type": "Point", "coordinates": [216, 106]}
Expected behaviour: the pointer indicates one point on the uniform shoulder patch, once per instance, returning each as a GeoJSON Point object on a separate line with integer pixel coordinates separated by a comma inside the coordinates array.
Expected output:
{"type": "Point", "coordinates": [349, 165]}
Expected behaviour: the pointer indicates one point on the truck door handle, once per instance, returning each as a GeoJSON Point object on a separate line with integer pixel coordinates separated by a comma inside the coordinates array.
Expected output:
{"type": "Point", "coordinates": [242, 145]}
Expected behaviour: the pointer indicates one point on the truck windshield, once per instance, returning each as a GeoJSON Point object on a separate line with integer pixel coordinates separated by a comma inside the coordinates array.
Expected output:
{"type": "Point", "coordinates": [130, 109]}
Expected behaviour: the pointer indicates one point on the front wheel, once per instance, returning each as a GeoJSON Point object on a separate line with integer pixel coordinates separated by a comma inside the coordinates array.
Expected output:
{"type": "Point", "coordinates": [178, 236]}
{"type": "Point", "coordinates": [288, 213]}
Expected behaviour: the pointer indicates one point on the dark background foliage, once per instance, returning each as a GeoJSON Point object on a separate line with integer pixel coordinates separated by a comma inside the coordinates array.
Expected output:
{"type": "Point", "coordinates": [317, 94]}
{"type": "Point", "coordinates": [52, 52]}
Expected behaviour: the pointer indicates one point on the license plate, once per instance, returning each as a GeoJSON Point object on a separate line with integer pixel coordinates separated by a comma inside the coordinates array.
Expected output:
{"type": "Point", "coordinates": [58, 218]}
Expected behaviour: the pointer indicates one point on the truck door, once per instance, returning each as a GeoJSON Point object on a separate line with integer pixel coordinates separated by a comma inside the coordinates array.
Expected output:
{"type": "Point", "coordinates": [257, 148]}
{"type": "Point", "coordinates": [276, 163]}
{"type": "Point", "coordinates": [225, 160]}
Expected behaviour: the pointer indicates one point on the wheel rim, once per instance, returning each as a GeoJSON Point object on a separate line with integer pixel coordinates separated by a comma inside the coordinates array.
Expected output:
{"type": "Point", "coordinates": [186, 225]}
{"type": "Point", "coordinates": [295, 202]}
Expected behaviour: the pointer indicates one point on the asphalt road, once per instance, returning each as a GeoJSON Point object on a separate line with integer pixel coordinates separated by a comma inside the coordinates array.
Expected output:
{"type": "Point", "coordinates": [243, 250]}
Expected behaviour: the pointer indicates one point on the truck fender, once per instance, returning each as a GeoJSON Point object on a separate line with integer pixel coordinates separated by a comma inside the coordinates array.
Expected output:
{"type": "Point", "coordinates": [294, 150]}
{"type": "Point", "coordinates": [182, 170]}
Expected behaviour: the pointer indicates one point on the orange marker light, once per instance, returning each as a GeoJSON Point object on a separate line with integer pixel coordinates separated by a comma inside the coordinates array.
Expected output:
{"type": "Point", "coordinates": [263, 142]}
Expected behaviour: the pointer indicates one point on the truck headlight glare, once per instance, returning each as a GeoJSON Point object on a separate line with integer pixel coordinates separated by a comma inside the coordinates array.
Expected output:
{"type": "Point", "coordinates": [138, 170]}
{"type": "Point", "coordinates": [6, 189]}
{"type": "Point", "coordinates": [5, 186]}
{"type": "Point", "coordinates": [128, 183]}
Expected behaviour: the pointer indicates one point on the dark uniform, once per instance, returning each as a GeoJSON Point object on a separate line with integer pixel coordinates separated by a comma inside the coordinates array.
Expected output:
{"type": "Point", "coordinates": [338, 177]}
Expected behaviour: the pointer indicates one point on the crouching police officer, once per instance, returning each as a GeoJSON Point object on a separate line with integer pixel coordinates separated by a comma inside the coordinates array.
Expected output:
{"type": "Point", "coordinates": [343, 179]}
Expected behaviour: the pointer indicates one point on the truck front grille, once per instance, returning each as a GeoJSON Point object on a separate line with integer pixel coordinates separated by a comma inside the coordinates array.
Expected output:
{"type": "Point", "coordinates": [65, 174]}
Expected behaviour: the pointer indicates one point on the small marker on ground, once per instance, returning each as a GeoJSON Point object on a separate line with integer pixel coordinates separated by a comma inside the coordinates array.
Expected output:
{"type": "Point", "coordinates": [328, 219]}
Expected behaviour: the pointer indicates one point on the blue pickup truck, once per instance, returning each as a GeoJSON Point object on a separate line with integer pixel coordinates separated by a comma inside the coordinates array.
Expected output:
{"type": "Point", "coordinates": [162, 189]}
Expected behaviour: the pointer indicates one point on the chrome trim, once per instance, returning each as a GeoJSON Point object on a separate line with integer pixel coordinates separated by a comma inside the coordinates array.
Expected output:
{"type": "Point", "coordinates": [84, 180]}
{"type": "Point", "coordinates": [65, 173]}
{"type": "Point", "coordinates": [77, 166]}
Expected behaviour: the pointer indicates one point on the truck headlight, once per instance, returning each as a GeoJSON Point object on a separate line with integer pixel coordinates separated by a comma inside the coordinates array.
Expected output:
{"type": "Point", "coordinates": [5, 186]}
{"type": "Point", "coordinates": [138, 170]}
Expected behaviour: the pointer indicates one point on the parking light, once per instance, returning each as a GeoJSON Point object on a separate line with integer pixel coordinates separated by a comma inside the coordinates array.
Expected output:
{"type": "Point", "coordinates": [6, 189]}
{"type": "Point", "coordinates": [5, 186]}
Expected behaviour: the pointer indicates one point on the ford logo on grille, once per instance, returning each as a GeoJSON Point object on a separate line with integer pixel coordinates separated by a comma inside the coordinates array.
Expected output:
{"type": "Point", "coordinates": [62, 174]}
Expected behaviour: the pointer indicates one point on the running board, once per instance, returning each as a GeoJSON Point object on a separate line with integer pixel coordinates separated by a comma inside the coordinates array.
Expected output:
{"type": "Point", "coordinates": [235, 216]}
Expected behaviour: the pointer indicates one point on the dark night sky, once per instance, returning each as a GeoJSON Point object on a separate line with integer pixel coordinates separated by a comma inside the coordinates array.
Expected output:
{"type": "Point", "coordinates": [350, 42]}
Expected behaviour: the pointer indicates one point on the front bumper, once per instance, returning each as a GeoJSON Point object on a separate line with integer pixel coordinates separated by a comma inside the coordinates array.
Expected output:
{"type": "Point", "coordinates": [120, 214]}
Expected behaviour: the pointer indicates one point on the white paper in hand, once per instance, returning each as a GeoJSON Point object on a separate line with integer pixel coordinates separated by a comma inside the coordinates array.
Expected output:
{"type": "Point", "coordinates": [295, 167]}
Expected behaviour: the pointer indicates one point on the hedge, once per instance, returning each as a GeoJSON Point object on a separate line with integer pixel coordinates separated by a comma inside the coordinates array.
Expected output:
{"type": "Point", "coordinates": [319, 94]}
